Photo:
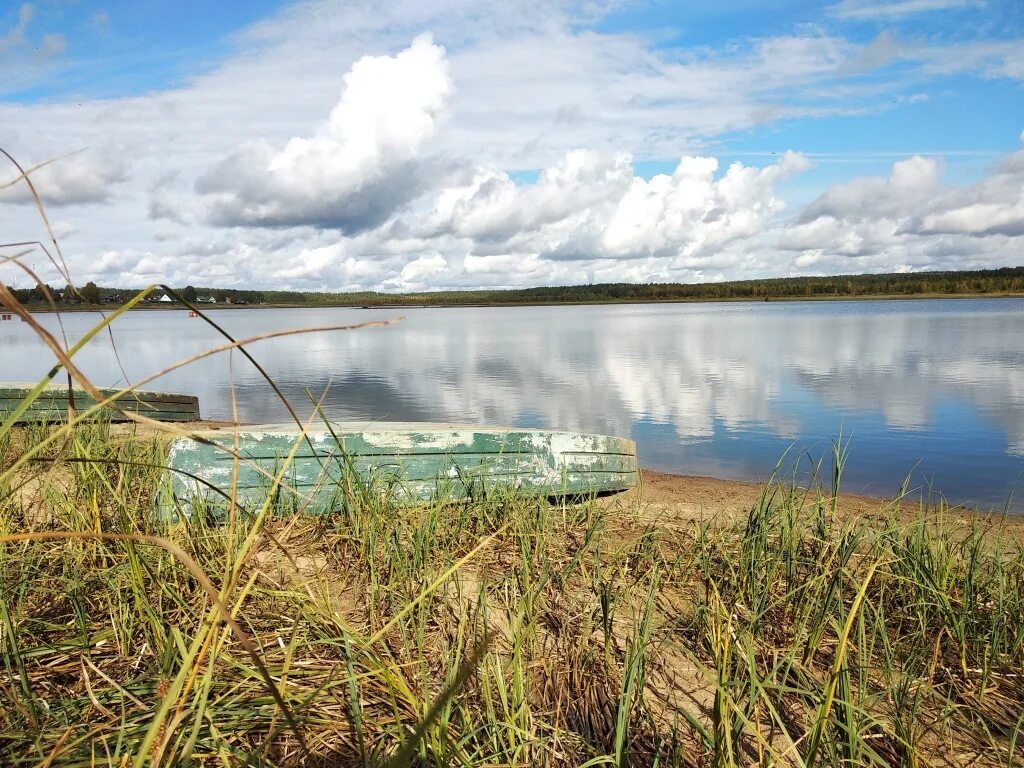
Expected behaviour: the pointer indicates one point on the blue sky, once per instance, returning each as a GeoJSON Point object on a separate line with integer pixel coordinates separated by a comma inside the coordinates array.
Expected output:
{"type": "Point", "coordinates": [125, 48]}
{"type": "Point", "coordinates": [456, 144]}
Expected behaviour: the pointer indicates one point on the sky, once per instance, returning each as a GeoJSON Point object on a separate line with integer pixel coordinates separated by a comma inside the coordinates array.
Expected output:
{"type": "Point", "coordinates": [484, 143]}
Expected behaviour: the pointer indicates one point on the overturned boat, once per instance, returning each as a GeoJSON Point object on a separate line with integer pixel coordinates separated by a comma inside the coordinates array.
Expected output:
{"type": "Point", "coordinates": [314, 470]}
{"type": "Point", "coordinates": [53, 403]}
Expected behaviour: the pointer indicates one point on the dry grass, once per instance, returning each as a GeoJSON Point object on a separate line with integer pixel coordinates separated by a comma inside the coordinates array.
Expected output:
{"type": "Point", "coordinates": [505, 632]}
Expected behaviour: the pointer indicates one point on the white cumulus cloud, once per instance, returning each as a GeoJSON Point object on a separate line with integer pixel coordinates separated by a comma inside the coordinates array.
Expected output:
{"type": "Point", "coordinates": [911, 218]}
{"type": "Point", "coordinates": [993, 206]}
{"type": "Point", "coordinates": [691, 212]}
{"type": "Point", "coordinates": [592, 205]}
{"type": "Point", "coordinates": [359, 167]}
{"type": "Point", "coordinates": [417, 272]}
{"type": "Point", "coordinates": [85, 177]}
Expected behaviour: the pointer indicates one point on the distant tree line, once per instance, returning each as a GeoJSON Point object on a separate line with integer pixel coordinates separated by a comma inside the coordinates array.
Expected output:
{"type": "Point", "coordinates": [90, 293]}
{"type": "Point", "coordinates": [1007, 280]}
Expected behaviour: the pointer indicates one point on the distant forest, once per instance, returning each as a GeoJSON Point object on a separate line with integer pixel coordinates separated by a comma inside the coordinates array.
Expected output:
{"type": "Point", "coordinates": [1008, 280]}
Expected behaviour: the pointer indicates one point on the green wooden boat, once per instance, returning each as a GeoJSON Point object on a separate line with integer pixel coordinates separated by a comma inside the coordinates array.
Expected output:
{"type": "Point", "coordinates": [52, 404]}
{"type": "Point", "coordinates": [411, 463]}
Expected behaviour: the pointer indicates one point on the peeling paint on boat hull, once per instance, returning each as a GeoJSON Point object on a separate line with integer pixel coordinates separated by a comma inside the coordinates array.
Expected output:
{"type": "Point", "coordinates": [411, 462]}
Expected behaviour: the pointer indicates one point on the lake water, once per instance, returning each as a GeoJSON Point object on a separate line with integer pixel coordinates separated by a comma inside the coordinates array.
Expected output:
{"type": "Point", "coordinates": [929, 389]}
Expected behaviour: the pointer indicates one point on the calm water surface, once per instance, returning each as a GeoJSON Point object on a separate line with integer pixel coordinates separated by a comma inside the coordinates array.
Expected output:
{"type": "Point", "coordinates": [930, 389]}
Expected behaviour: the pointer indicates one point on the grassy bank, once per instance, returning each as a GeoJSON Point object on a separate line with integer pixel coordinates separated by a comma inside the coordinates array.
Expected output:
{"type": "Point", "coordinates": [506, 631]}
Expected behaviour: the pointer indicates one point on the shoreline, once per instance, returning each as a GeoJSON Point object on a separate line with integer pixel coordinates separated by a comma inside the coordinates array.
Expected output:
{"type": "Point", "coordinates": [669, 497]}
{"type": "Point", "coordinates": [43, 308]}
{"type": "Point", "coordinates": [675, 497]}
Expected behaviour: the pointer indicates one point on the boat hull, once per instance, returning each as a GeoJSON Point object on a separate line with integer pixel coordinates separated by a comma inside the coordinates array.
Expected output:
{"type": "Point", "coordinates": [409, 463]}
{"type": "Point", "coordinates": [52, 404]}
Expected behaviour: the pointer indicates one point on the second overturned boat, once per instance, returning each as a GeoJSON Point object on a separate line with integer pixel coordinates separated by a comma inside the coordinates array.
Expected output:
{"type": "Point", "coordinates": [52, 404]}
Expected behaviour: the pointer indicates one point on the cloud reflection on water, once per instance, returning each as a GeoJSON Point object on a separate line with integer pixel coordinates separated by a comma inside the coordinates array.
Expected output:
{"type": "Point", "coordinates": [717, 388]}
